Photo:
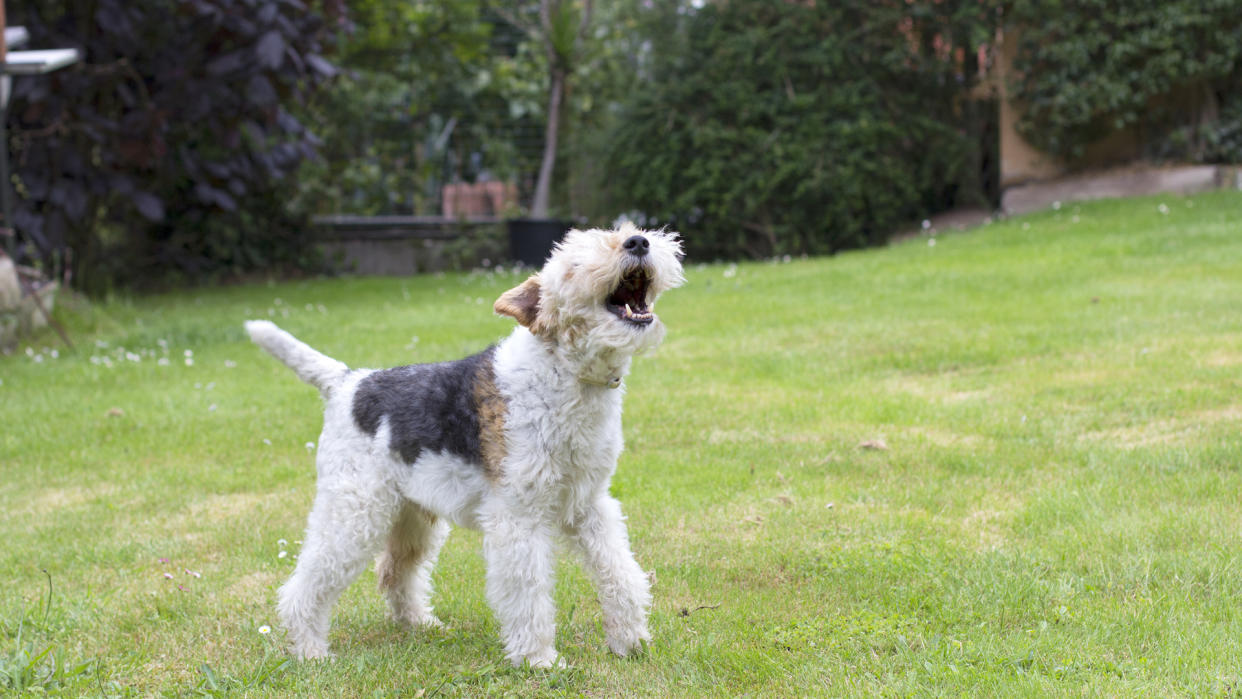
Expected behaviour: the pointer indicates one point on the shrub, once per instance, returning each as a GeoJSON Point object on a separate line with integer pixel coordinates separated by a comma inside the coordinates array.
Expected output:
{"type": "Point", "coordinates": [418, 104]}
{"type": "Point", "coordinates": [761, 128]}
{"type": "Point", "coordinates": [164, 152]}
{"type": "Point", "coordinates": [1167, 70]}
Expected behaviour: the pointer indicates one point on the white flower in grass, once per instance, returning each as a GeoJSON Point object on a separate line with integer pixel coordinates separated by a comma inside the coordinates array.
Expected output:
{"type": "Point", "coordinates": [282, 543]}
{"type": "Point", "coordinates": [189, 361]}
{"type": "Point", "coordinates": [163, 361]}
{"type": "Point", "coordinates": [189, 353]}
{"type": "Point", "coordinates": [310, 446]}
{"type": "Point", "coordinates": [230, 364]}
{"type": "Point", "coordinates": [268, 442]}
{"type": "Point", "coordinates": [1163, 209]}
{"type": "Point", "coordinates": [282, 554]}
{"type": "Point", "coordinates": [265, 629]}
{"type": "Point", "coordinates": [931, 242]}
{"type": "Point", "coordinates": [1056, 206]}
{"type": "Point", "coordinates": [926, 224]}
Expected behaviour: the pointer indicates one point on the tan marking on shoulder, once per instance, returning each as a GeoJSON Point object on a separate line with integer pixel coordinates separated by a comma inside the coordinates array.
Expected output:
{"type": "Point", "coordinates": [491, 408]}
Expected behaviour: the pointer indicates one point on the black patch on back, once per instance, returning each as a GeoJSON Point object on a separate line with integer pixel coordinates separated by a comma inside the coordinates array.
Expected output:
{"type": "Point", "coordinates": [428, 406]}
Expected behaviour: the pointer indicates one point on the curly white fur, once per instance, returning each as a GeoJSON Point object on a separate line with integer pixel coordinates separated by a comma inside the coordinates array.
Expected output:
{"type": "Point", "coordinates": [545, 478]}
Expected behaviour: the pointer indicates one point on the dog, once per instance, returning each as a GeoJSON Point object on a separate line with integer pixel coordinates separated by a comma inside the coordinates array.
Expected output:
{"type": "Point", "coordinates": [519, 441]}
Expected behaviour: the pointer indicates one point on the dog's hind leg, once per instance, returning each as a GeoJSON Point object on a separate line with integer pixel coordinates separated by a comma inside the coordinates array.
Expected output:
{"type": "Point", "coordinates": [344, 530]}
{"type": "Point", "coordinates": [624, 591]}
{"type": "Point", "coordinates": [404, 568]}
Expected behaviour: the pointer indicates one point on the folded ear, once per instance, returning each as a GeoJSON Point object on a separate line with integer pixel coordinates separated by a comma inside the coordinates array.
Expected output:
{"type": "Point", "coordinates": [521, 302]}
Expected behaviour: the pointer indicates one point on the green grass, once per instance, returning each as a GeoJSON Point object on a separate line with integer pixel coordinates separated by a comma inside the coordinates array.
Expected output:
{"type": "Point", "coordinates": [1058, 510]}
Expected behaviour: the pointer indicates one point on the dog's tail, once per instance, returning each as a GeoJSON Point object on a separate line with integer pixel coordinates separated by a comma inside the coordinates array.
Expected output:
{"type": "Point", "coordinates": [315, 368]}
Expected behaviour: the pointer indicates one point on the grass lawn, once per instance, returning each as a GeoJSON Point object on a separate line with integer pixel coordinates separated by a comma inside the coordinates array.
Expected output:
{"type": "Point", "coordinates": [1054, 506]}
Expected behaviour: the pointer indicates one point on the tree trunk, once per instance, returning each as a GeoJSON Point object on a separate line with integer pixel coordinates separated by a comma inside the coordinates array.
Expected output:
{"type": "Point", "coordinates": [543, 186]}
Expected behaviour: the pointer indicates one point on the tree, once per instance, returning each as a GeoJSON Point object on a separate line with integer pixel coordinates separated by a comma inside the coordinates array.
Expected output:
{"type": "Point", "coordinates": [560, 28]}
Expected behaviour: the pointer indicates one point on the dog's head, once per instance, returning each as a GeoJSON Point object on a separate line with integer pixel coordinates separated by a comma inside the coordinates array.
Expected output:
{"type": "Point", "coordinates": [597, 292]}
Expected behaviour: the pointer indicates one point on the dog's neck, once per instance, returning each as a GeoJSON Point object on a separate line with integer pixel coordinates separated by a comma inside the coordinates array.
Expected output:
{"type": "Point", "coordinates": [592, 368]}
{"type": "Point", "coordinates": [599, 368]}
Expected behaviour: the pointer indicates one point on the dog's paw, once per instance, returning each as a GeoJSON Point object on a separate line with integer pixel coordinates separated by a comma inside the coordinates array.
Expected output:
{"type": "Point", "coordinates": [430, 622]}
{"type": "Point", "coordinates": [542, 660]}
{"type": "Point", "coordinates": [311, 651]}
{"type": "Point", "coordinates": [629, 641]}
{"type": "Point", "coordinates": [420, 622]}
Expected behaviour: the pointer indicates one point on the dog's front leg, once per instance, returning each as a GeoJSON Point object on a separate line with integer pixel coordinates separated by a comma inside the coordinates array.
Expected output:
{"type": "Point", "coordinates": [624, 591]}
{"type": "Point", "coordinates": [518, 550]}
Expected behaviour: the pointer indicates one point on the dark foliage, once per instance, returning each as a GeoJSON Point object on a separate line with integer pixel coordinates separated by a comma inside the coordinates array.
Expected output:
{"type": "Point", "coordinates": [162, 155]}
{"type": "Point", "coordinates": [1168, 71]}
{"type": "Point", "coordinates": [762, 128]}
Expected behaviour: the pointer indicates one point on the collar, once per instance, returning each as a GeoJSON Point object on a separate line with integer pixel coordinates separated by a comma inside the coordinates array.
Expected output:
{"type": "Point", "coordinates": [614, 382]}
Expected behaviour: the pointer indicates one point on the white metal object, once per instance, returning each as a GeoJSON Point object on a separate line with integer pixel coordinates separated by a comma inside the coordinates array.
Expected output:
{"type": "Point", "coordinates": [38, 62]}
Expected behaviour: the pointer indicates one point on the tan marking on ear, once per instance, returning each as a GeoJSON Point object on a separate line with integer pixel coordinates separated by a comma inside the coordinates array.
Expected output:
{"type": "Point", "coordinates": [521, 302]}
{"type": "Point", "coordinates": [491, 408]}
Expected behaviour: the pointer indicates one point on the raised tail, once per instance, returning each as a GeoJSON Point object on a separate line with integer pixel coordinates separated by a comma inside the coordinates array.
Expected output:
{"type": "Point", "coordinates": [315, 368]}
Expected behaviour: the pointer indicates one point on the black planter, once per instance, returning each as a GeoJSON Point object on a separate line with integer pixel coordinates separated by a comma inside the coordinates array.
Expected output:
{"type": "Point", "coordinates": [531, 239]}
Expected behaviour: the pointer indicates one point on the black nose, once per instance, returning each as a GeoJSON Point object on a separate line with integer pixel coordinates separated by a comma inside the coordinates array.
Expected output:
{"type": "Point", "coordinates": [636, 245]}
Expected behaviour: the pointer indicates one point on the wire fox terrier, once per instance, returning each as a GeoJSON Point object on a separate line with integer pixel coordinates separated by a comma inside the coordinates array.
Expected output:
{"type": "Point", "coordinates": [519, 441]}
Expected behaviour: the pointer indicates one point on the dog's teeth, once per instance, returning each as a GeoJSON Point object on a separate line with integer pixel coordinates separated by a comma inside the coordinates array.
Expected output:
{"type": "Point", "coordinates": [629, 312]}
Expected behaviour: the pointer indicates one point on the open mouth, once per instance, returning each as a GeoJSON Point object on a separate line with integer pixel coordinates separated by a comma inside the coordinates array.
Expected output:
{"type": "Point", "coordinates": [629, 301]}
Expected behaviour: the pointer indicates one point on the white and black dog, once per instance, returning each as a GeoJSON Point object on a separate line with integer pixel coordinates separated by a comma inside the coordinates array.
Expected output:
{"type": "Point", "coordinates": [519, 441]}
